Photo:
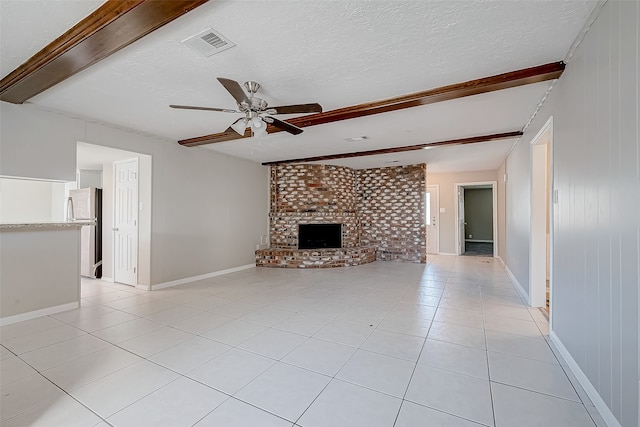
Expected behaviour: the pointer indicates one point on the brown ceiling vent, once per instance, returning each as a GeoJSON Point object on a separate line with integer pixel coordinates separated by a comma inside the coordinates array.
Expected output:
{"type": "Point", "coordinates": [209, 42]}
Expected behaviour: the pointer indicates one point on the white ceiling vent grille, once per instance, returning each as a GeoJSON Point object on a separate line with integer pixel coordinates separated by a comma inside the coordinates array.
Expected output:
{"type": "Point", "coordinates": [209, 42]}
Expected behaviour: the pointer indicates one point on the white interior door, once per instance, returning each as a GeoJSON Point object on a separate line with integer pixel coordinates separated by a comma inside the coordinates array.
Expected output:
{"type": "Point", "coordinates": [125, 225]}
{"type": "Point", "coordinates": [461, 223]}
{"type": "Point", "coordinates": [433, 219]}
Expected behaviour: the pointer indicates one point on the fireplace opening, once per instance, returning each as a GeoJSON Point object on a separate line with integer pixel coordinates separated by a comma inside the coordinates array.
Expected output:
{"type": "Point", "coordinates": [319, 236]}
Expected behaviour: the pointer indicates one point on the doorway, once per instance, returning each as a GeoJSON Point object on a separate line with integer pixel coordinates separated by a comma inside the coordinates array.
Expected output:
{"type": "Point", "coordinates": [432, 215]}
{"type": "Point", "coordinates": [476, 218]}
{"type": "Point", "coordinates": [96, 157]}
{"type": "Point", "coordinates": [541, 236]}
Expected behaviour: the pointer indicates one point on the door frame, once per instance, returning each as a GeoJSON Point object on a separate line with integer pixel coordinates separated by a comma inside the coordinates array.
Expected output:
{"type": "Point", "coordinates": [541, 208]}
{"type": "Point", "coordinates": [494, 196]}
{"type": "Point", "coordinates": [437, 187]}
{"type": "Point", "coordinates": [114, 214]}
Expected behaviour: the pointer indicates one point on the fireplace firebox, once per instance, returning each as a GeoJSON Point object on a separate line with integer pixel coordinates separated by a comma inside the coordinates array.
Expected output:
{"type": "Point", "coordinates": [319, 236]}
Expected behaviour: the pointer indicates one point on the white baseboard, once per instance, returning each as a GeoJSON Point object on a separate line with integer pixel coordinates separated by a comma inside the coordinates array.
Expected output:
{"type": "Point", "coordinates": [501, 261]}
{"type": "Point", "coordinates": [591, 391]}
{"type": "Point", "coordinates": [447, 253]}
{"type": "Point", "coordinates": [38, 313]}
{"type": "Point", "coordinates": [200, 277]}
{"type": "Point", "coordinates": [107, 279]}
{"type": "Point", "coordinates": [517, 284]}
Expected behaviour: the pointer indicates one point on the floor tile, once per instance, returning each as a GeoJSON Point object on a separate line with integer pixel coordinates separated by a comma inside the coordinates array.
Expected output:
{"type": "Point", "coordinates": [126, 331]}
{"type": "Point", "coordinates": [454, 357]}
{"type": "Point", "coordinates": [413, 415]}
{"type": "Point", "coordinates": [78, 314]}
{"type": "Point", "coordinates": [235, 309]}
{"type": "Point", "coordinates": [320, 356]}
{"type": "Point", "coordinates": [346, 405]}
{"type": "Point", "coordinates": [272, 343]}
{"type": "Point", "coordinates": [234, 332]}
{"type": "Point", "coordinates": [180, 403]}
{"type": "Point", "coordinates": [520, 313]}
{"type": "Point", "coordinates": [459, 317]}
{"type": "Point", "coordinates": [542, 377]}
{"type": "Point", "coordinates": [33, 341]}
{"type": "Point", "coordinates": [457, 334]}
{"type": "Point", "coordinates": [267, 316]}
{"type": "Point", "coordinates": [5, 353]}
{"type": "Point", "coordinates": [344, 333]}
{"type": "Point", "coordinates": [284, 390]}
{"type": "Point", "coordinates": [57, 354]}
{"type": "Point", "coordinates": [27, 327]}
{"type": "Point", "coordinates": [155, 341]}
{"type": "Point", "coordinates": [514, 406]}
{"type": "Point", "coordinates": [394, 344]}
{"type": "Point", "coordinates": [362, 316]}
{"type": "Point", "coordinates": [517, 345]}
{"type": "Point", "coordinates": [406, 324]}
{"type": "Point", "coordinates": [83, 370]}
{"type": "Point", "coordinates": [201, 322]}
{"type": "Point", "coordinates": [305, 324]}
{"type": "Point", "coordinates": [457, 394]}
{"type": "Point", "coordinates": [512, 326]}
{"type": "Point", "coordinates": [378, 372]}
{"type": "Point", "coordinates": [25, 394]}
{"type": "Point", "coordinates": [149, 307]}
{"type": "Point", "coordinates": [91, 324]}
{"type": "Point", "coordinates": [60, 411]}
{"type": "Point", "coordinates": [14, 369]}
{"type": "Point", "coordinates": [116, 391]}
{"type": "Point", "coordinates": [189, 354]}
{"type": "Point", "coordinates": [173, 315]}
{"type": "Point", "coordinates": [231, 371]}
{"type": "Point", "coordinates": [234, 413]}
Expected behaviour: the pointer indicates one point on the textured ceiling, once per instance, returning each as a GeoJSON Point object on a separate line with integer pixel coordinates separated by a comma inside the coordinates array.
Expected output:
{"type": "Point", "coordinates": [337, 53]}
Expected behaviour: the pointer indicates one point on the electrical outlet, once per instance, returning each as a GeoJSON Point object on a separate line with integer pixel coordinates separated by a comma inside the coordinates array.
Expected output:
{"type": "Point", "coordinates": [471, 236]}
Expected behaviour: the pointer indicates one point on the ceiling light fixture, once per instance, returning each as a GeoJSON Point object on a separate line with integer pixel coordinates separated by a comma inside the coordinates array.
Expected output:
{"type": "Point", "coordinates": [239, 126]}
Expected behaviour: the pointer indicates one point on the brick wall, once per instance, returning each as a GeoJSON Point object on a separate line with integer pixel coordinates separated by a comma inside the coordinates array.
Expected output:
{"type": "Point", "coordinates": [312, 194]}
{"type": "Point", "coordinates": [391, 207]}
{"type": "Point", "coordinates": [381, 207]}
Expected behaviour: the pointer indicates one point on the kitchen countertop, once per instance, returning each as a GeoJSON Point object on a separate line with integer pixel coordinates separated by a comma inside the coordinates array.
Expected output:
{"type": "Point", "coordinates": [40, 225]}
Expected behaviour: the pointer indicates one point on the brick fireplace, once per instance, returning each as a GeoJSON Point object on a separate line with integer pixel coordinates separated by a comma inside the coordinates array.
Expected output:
{"type": "Point", "coordinates": [381, 212]}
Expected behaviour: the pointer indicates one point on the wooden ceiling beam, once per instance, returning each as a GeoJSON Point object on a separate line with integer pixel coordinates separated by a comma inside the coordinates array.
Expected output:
{"type": "Point", "coordinates": [445, 93]}
{"type": "Point", "coordinates": [113, 26]}
{"type": "Point", "coordinates": [462, 141]}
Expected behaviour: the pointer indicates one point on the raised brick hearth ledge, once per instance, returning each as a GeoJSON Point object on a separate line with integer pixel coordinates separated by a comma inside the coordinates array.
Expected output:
{"type": "Point", "coordinates": [315, 258]}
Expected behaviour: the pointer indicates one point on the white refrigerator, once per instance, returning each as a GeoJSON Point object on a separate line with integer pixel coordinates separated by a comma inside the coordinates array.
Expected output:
{"type": "Point", "coordinates": [87, 205]}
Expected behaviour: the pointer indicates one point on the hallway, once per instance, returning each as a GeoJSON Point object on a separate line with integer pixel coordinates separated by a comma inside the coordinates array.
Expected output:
{"type": "Point", "coordinates": [384, 344]}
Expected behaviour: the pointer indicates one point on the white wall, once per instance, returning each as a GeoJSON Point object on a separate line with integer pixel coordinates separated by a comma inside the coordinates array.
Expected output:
{"type": "Point", "coordinates": [37, 143]}
{"type": "Point", "coordinates": [23, 201]}
{"type": "Point", "coordinates": [596, 226]}
{"type": "Point", "coordinates": [449, 199]}
{"type": "Point", "coordinates": [208, 209]}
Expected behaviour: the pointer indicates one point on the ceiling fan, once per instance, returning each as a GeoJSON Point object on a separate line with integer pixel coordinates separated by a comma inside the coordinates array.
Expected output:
{"type": "Point", "coordinates": [256, 114]}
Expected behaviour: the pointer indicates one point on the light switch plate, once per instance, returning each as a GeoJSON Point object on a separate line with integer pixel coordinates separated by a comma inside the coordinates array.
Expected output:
{"type": "Point", "coordinates": [442, 210]}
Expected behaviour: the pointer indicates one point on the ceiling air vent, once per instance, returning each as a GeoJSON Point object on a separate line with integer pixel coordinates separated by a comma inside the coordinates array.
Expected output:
{"type": "Point", "coordinates": [209, 42]}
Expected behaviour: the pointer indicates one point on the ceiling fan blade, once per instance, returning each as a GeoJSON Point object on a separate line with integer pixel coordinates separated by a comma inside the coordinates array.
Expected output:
{"type": "Point", "coordinates": [288, 127]}
{"type": "Point", "coordinates": [234, 88]}
{"type": "Point", "coordinates": [191, 107]}
{"type": "Point", "coordinates": [300, 108]}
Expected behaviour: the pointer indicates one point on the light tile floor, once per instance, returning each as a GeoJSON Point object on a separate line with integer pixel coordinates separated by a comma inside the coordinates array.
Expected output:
{"type": "Point", "coordinates": [449, 343]}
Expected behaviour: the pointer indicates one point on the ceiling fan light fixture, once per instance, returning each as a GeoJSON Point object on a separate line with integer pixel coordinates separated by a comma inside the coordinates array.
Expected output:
{"type": "Point", "coordinates": [239, 126]}
{"type": "Point", "coordinates": [259, 131]}
{"type": "Point", "coordinates": [257, 122]}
